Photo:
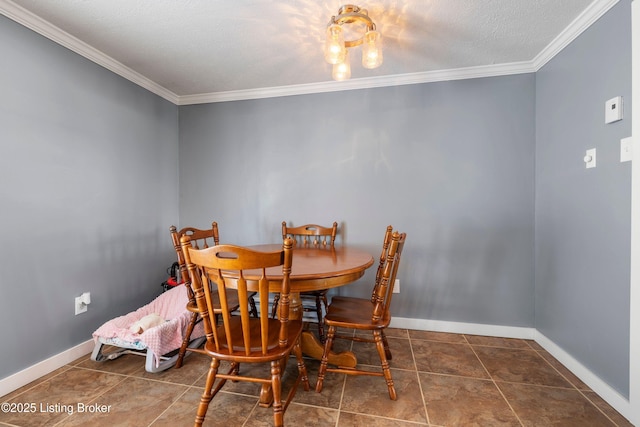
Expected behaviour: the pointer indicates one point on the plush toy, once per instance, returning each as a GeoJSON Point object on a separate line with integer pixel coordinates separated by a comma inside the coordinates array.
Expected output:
{"type": "Point", "coordinates": [147, 322]}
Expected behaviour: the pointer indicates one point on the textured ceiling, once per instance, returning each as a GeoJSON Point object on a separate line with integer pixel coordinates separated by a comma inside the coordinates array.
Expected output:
{"type": "Point", "coordinates": [192, 48]}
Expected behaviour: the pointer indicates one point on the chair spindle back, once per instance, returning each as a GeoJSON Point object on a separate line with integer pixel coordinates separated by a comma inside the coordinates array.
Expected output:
{"type": "Point", "coordinates": [383, 289]}
{"type": "Point", "coordinates": [311, 234]}
{"type": "Point", "coordinates": [199, 239]}
{"type": "Point", "coordinates": [224, 267]}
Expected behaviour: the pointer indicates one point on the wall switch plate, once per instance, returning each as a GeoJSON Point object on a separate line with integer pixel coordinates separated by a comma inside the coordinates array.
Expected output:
{"type": "Point", "coordinates": [590, 158]}
{"type": "Point", "coordinates": [396, 286]}
{"type": "Point", "coordinates": [613, 110]}
{"type": "Point", "coordinates": [626, 149]}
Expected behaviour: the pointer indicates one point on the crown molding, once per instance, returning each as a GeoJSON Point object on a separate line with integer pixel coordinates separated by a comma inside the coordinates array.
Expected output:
{"type": "Point", "coordinates": [363, 83]}
{"type": "Point", "coordinates": [593, 12]}
{"type": "Point", "coordinates": [590, 15]}
{"type": "Point", "coordinates": [55, 34]}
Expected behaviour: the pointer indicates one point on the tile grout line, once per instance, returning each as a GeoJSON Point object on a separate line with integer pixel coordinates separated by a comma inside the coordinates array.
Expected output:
{"type": "Point", "coordinates": [380, 417]}
{"type": "Point", "coordinates": [415, 365]}
{"type": "Point", "coordinates": [344, 383]}
{"type": "Point", "coordinates": [255, 405]}
{"type": "Point", "coordinates": [515, 414]}
{"type": "Point", "coordinates": [169, 406]}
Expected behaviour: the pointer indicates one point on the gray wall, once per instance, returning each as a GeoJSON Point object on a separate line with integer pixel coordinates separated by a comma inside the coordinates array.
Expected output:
{"type": "Point", "coordinates": [449, 163]}
{"type": "Point", "coordinates": [89, 183]}
{"type": "Point", "coordinates": [583, 215]}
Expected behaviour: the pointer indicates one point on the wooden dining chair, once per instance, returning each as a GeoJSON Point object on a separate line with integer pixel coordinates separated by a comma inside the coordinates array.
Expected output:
{"type": "Point", "coordinates": [367, 314]}
{"type": "Point", "coordinates": [199, 239]}
{"type": "Point", "coordinates": [311, 235]}
{"type": "Point", "coordinates": [245, 339]}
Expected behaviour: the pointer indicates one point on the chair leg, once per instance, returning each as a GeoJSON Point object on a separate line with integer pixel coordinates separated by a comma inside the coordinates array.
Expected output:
{"type": "Point", "coordinates": [302, 368]}
{"type": "Point", "coordinates": [274, 307]}
{"type": "Point", "coordinates": [325, 358]}
{"type": "Point", "coordinates": [377, 336]}
{"type": "Point", "coordinates": [207, 395]}
{"type": "Point", "coordinates": [276, 387]}
{"type": "Point", "coordinates": [187, 338]}
{"type": "Point", "coordinates": [325, 302]}
{"type": "Point", "coordinates": [254, 309]}
{"type": "Point", "coordinates": [321, 335]}
{"type": "Point", "coordinates": [387, 350]}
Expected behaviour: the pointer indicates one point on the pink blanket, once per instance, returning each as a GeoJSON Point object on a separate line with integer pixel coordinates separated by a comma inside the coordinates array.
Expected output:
{"type": "Point", "coordinates": [161, 339]}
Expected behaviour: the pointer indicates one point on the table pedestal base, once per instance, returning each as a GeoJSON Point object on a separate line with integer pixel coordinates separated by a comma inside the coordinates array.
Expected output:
{"type": "Point", "coordinates": [312, 347]}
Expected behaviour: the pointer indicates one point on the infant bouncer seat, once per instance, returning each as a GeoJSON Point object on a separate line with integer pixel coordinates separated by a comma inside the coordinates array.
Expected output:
{"type": "Point", "coordinates": [155, 330]}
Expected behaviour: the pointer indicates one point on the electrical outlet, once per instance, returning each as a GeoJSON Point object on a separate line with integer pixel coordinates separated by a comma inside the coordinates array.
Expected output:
{"type": "Point", "coordinates": [82, 302]}
{"type": "Point", "coordinates": [396, 286]}
{"type": "Point", "coordinates": [80, 306]}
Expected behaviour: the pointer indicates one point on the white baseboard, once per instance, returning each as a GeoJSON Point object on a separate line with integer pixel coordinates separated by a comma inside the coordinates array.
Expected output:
{"type": "Point", "coordinates": [463, 328]}
{"type": "Point", "coordinates": [610, 395]}
{"type": "Point", "coordinates": [604, 390]}
{"type": "Point", "coordinates": [24, 377]}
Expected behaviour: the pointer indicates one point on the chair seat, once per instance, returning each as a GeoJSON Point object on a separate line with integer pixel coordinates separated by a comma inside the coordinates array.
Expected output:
{"type": "Point", "coordinates": [274, 351]}
{"type": "Point", "coordinates": [363, 314]}
{"type": "Point", "coordinates": [354, 313]}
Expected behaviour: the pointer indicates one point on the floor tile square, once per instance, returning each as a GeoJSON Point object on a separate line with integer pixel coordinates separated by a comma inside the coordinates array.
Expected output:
{"type": "Point", "coordinates": [458, 401]}
{"type": "Point", "coordinates": [521, 366]}
{"type": "Point", "coordinates": [447, 358]}
{"type": "Point", "coordinates": [369, 395]}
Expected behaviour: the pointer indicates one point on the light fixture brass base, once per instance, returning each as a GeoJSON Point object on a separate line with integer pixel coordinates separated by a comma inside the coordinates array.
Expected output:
{"type": "Point", "coordinates": [350, 13]}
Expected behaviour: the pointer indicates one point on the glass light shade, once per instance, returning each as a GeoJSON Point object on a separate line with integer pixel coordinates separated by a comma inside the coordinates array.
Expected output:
{"type": "Point", "coordinates": [334, 49]}
{"type": "Point", "coordinates": [372, 50]}
{"type": "Point", "coordinates": [342, 71]}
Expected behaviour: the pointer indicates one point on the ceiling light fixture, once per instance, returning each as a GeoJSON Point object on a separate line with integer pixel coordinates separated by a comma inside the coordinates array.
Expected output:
{"type": "Point", "coordinates": [335, 48]}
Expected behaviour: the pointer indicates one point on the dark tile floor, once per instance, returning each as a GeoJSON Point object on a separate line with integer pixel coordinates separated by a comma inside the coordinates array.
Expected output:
{"type": "Point", "coordinates": [441, 379]}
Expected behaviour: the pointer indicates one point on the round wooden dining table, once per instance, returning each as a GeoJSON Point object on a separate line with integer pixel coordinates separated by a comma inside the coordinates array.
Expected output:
{"type": "Point", "coordinates": [316, 268]}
